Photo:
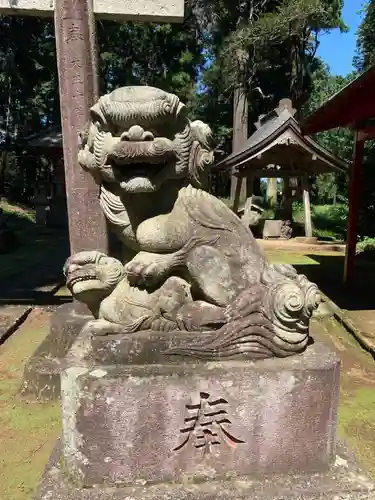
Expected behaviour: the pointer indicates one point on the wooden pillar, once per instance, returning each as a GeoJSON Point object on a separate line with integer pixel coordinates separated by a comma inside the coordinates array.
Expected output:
{"type": "Point", "coordinates": [288, 199]}
{"type": "Point", "coordinates": [237, 195]}
{"type": "Point", "coordinates": [354, 191]}
{"type": "Point", "coordinates": [78, 84]}
{"type": "Point", "coordinates": [307, 206]}
{"type": "Point", "coordinates": [249, 193]}
{"type": "Point", "coordinates": [240, 132]}
{"type": "Point", "coordinates": [272, 191]}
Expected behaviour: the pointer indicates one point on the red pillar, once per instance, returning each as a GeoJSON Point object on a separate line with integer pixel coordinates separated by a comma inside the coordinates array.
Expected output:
{"type": "Point", "coordinates": [354, 191]}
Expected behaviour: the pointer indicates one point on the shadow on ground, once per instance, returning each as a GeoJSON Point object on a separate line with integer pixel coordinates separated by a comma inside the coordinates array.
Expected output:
{"type": "Point", "coordinates": [32, 272]}
{"type": "Point", "coordinates": [328, 275]}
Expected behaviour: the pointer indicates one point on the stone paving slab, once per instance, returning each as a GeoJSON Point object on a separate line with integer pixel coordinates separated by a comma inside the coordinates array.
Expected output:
{"type": "Point", "coordinates": [364, 321]}
{"type": "Point", "coordinates": [361, 324]}
{"type": "Point", "coordinates": [295, 245]}
{"type": "Point", "coordinates": [11, 318]}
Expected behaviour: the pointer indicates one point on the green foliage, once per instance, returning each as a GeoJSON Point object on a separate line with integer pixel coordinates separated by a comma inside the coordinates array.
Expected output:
{"type": "Point", "coordinates": [324, 85]}
{"type": "Point", "coordinates": [297, 207]}
{"type": "Point", "coordinates": [367, 244]}
{"type": "Point", "coordinates": [28, 84]}
{"type": "Point", "coordinates": [365, 56]}
{"type": "Point", "coordinates": [17, 212]}
{"type": "Point", "coordinates": [329, 221]}
{"type": "Point", "coordinates": [197, 60]}
{"type": "Point", "coordinates": [168, 56]}
{"type": "Point", "coordinates": [330, 187]}
{"type": "Point", "coordinates": [279, 37]}
{"type": "Point", "coordinates": [269, 44]}
{"type": "Point", "coordinates": [165, 55]}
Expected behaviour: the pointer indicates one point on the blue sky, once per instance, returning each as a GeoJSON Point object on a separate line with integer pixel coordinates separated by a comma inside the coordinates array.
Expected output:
{"type": "Point", "coordinates": [338, 49]}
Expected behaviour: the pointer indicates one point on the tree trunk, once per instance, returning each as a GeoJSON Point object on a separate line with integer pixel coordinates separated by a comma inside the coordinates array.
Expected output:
{"type": "Point", "coordinates": [240, 132]}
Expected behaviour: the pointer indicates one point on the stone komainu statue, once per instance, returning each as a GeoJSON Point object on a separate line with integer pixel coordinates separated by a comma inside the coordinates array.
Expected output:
{"type": "Point", "coordinates": [189, 263]}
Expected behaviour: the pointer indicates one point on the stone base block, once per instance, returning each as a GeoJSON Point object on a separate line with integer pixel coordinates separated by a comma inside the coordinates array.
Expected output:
{"type": "Point", "coordinates": [41, 376]}
{"type": "Point", "coordinates": [344, 481]}
{"type": "Point", "coordinates": [141, 348]}
{"type": "Point", "coordinates": [177, 423]}
{"type": "Point", "coordinates": [272, 228]}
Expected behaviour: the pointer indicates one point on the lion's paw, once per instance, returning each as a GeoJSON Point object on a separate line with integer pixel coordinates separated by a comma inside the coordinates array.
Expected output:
{"type": "Point", "coordinates": [100, 328]}
{"type": "Point", "coordinates": [148, 268]}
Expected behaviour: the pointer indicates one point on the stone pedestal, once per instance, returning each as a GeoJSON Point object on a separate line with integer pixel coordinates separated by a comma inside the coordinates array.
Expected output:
{"type": "Point", "coordinates": [277, 229]}
{"type": "Point", "coordinates": [272, 228]}
{"type": "Point", "coordinates": [140, 425]}
{"type": "Point", "coordinates": [196, 430]}
{"type": "Point", "coordinates": [167, 423]}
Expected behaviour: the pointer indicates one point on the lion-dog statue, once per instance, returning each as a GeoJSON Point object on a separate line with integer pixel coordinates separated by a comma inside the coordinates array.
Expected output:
{"type": "Point", "coordinates": [189, 264]}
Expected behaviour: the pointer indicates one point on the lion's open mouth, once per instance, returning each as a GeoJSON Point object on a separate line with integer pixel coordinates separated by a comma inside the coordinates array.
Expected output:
{"type": "Point", "coordinates": [140, 169]}
{"type": "Point", "coordinates": [138, 166]}
{"type": "Point", "coordinates": [147, 153]}
{"type": "Point", "coordinates": [71, 281]}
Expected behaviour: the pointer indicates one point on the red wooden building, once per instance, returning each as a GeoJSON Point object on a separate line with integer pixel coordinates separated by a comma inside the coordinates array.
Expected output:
{"type": "Point", "coordinates": [353, 107]}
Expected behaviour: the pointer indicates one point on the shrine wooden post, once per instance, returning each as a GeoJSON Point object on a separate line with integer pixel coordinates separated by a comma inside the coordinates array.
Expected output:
{"type": "Point", "coordinates": [307, 206]}
{"type": "Point", "coordinates": [272, 191]}
{"type": "Point", "coordinates": [238, 184]}
{"type": "Point", "coordinates": [354, 190]}
{"type": "Point", "coordinates": [78, 84]}
{"type": "Point", "coordinates": [288, 199]}
{"type": "Point", "coordinates": [249, 192]}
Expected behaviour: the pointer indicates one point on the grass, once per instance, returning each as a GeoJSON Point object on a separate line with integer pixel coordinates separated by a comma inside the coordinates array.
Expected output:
{"type": "Point", "coordinates": [17, 210]}
{"type": "Point", "coordinates": [357, 423]}
{"type": "Point", "coordinates": [27, 431]}
{"type": "Point", "coordinates": [293, 258]}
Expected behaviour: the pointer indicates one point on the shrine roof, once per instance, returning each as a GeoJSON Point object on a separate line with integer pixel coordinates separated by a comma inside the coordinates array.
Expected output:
{"type": "Point", "coordinates": [349, 107]}
{"type": "Point", "coordinates": [278, 140]}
